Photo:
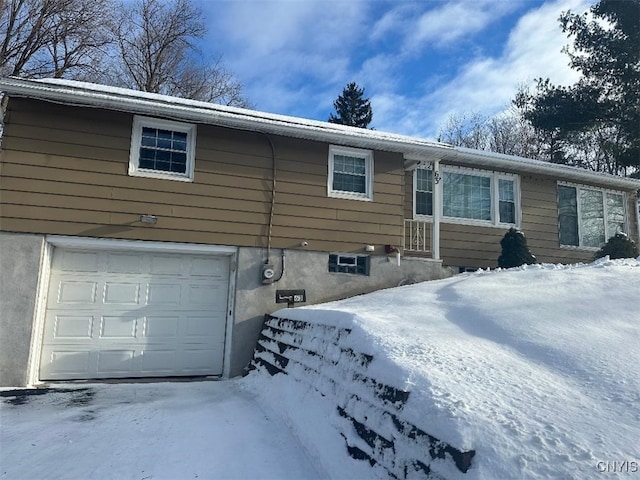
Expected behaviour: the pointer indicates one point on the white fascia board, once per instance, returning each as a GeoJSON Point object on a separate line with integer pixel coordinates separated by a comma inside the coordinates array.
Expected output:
{"type": "Point", "coordinates": [138, 245]}
{"type": "Point", "coordinates": [91, 95]}
{"type": "Point", "coordinates": [483, 158]}
{"type": "Point", "coordinates": [469, 157]}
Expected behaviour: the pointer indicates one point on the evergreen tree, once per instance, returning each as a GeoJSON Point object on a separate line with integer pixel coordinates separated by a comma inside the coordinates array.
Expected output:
{"type": "Point", "coordinates": [515, 251]}
{"type": "Point", "coordinates": [603, 107]}
{"type": "Point", "coordinates": [352, 108]}
{"type": "Point", "coordinates": [618, 246]}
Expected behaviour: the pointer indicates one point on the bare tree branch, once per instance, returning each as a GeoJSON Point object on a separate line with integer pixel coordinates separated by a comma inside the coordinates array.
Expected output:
{"type": "Point", "coordinates": [149, 45]}
{"type": "Point", "coordinates": [508, 133]}
{"type": "Point", "coordinates": [157, 49]}
{"type": "Point", "coordinates": [52, 38]}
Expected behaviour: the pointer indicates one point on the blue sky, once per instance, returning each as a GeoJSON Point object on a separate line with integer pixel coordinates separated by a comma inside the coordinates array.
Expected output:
{"type": "Point", "coordinates": [419, 61]}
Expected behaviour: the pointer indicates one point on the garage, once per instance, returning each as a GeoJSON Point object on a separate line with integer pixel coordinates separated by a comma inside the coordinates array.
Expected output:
{"type": "Point", "coordinates": [122, 313]}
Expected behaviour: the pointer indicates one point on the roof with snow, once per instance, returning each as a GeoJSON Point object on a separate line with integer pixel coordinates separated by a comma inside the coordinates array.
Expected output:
{"type": "Point", "coordinates": [133, 101]}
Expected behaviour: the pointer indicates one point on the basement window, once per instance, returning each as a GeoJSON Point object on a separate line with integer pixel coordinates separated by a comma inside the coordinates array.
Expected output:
{"type": "Point", "coordinates": [162, 149]}
{"type": "Point", "coordinates": [347, 263]}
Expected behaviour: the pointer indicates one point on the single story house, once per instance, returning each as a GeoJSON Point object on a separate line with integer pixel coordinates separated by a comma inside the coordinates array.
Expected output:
{"type": "Point", "coordinates": [146, 236]}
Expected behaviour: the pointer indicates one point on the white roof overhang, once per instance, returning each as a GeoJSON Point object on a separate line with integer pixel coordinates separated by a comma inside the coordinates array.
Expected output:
{"type": "Point", "coordinates": [413, 149]}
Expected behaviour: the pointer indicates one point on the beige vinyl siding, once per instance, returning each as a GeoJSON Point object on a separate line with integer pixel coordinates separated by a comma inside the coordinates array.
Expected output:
{"type": "Point", "coordinates": [65, 171]}
{"type": "Point", "coordinates": [478, 246]}
{"type": "Point", "coordinates": [469, 245]}
{"type": "Point", "coordinates": [408, 198]}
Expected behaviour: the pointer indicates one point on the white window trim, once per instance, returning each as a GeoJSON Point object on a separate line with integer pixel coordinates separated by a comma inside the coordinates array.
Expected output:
{"type": "Point", "coordinates": [340, 262]}
{"type": "Point", "coordinates": [495, 194]}
{"type": "Point", "coordinates": [637, 213]}
{"type": "Point", "coordinates": [420, 216]}
{"type": "Point", "coordinates": [495, 200]}
{"type": "Point", "coordinates": [604, 191]}
{"type": "Point", "coordinates": [134, 152]}
{"type": "Point", "coordinates": [367, 155]}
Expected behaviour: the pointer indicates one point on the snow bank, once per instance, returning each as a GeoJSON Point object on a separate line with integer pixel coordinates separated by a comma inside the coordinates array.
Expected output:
{"type": "Point", "coordinates": [534, 368]}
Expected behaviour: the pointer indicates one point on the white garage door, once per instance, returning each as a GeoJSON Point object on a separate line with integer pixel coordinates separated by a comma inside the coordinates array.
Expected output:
{"type": "Point", "coordinates": [117, 314]}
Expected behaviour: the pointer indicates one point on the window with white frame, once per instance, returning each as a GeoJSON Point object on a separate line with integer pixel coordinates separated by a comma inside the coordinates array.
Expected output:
{"type": "Point", "coordinates": [349, 263]}
{"type": "Point", "coordinates": [424, 191]}
{"type": "Point", "coordinates": [506, 200]}
{"type": "Point", "coordinates": [350, 173]}
{"type": "Point", "coordinates": [588, 216]}
{"type": "Point", "coordinates": [638, 213]}
{"type": "Point", "coordinates": [469, 196]}
{"type": "Point", "coordinates": [162, 149]}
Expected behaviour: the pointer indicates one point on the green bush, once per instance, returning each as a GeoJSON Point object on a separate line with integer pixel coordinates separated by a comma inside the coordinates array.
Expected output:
{"type": "Point", "coordinates": [618, 246]}
{"type": "Point", "coordinates": [515, 251]}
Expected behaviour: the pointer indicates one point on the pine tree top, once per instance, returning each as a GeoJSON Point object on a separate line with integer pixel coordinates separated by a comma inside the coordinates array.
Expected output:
{"type": "Point", "coordinates": [352, 108]}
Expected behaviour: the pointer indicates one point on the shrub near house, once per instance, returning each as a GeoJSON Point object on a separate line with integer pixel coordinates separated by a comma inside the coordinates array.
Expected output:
{"type": "Point", "coordinates": [618, 246]}
{"type": "Point", "coordinates": [515, 251]}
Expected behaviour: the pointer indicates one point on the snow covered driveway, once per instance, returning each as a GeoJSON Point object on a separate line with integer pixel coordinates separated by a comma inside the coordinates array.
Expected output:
{"type": "Point", "coordinates": [147, 431]}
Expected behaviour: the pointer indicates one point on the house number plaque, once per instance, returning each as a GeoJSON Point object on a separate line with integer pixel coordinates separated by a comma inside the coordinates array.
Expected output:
{"type": "Point", "coordinates": [291, 297]}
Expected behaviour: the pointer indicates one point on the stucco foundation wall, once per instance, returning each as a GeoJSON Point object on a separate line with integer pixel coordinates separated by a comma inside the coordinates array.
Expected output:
{"type": "Point", "coordinates": [19, 267]}
{"type": "Point", "coordinates": [20, 259]}
{"type": "Point", "coordinates": [308, 270]}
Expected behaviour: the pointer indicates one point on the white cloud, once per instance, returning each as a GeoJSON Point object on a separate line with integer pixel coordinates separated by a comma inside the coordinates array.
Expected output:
{"type": "Point", "coordinates": [448, 23]}
{"type": "Point", "coordinates": [266, 27]}
{"type": "Point", "coordinates": [279, 48]}
{"type": "Point", "coordinates": [381, 71]}
{"type": "Point", "coordinates": [488, 84]}
{"type": "Point", "coordinates": [456, 20]}
{"type": "Point", "coordinates": [294, 57]}
{"type": "Point", "coordinates": [393, 21]}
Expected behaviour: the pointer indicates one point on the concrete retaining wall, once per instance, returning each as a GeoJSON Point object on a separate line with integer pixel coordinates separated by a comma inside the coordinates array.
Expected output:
{"type": "Point", "coordinates": [375, 428]}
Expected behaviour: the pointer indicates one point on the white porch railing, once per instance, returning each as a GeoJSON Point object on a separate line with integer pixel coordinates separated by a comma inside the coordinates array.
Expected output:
{"type": "Point", "coordinates": [418, 236]}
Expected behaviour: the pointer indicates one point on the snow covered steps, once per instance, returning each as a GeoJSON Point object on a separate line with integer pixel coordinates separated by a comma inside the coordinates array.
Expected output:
{"type": "Point", "coordinates": [372, 425]}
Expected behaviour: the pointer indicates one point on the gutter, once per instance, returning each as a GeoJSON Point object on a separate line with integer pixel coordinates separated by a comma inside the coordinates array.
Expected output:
{"type": "Point", "coordinates": [414, 149]}
{"type": "Point", "coordinates": [521, 164]}
{"type": "Point", "coordinates": [119, 99]}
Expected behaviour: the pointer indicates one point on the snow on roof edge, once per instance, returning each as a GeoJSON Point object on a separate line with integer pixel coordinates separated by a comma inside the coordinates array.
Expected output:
{"type": "Point", "coordinates": [91, 94]}
{"type": "Point", "coordinates": [557, 169]}
{"type": "Point", "coordinates": [95, 94]}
